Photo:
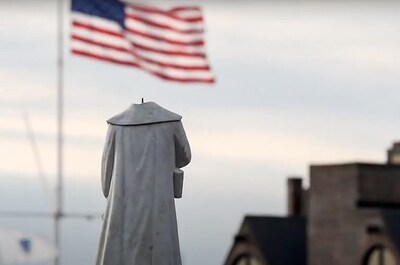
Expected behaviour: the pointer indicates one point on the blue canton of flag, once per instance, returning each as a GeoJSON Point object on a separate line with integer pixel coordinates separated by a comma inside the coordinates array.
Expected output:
{"type": "Point", "coordinates": [107, 9]}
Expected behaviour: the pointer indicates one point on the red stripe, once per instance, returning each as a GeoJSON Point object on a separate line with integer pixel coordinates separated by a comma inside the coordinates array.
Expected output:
{"type": "Point", "coordinates": [162, 39]}
{"type": "Point", "coordinates": [103, 58]}
{"type": "Point", "coordinates": [174, 66]}
{"type": "Point", "coordinates": [185, 8]}
{"type": "Point", "coordinates": [142, 34]}
{"type": "Point", "coordinates": [160, 75]}
{"type": "Point", "coordinates": [184, 80]}
{"type": "Point", "coordinates": [166, 52]}
{"type": "Point", "coordinates": [97, 29]}
{"type": "Point", "coordinates": [153, 10]}
{"type": "Point", "coordinates": [163, 26]}
{"type": "Point", "coordinates": [152, 61]}
{"type": "Point", "coordinates": [100, 44]}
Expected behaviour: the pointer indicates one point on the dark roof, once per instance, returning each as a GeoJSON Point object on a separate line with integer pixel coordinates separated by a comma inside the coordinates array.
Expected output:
{"type": "Point", "coordinates": [359, 164]}
{"type": "Point", "coordinates": [282, 240]}
{"type": "Point", "coordinates": [391, 218]}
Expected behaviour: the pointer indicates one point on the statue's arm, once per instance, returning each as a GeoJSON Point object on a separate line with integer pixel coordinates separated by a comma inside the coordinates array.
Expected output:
{"type": "Point", "coordinates": [107, 162]}
{"type": "Point", "coordinates": [183, 154]}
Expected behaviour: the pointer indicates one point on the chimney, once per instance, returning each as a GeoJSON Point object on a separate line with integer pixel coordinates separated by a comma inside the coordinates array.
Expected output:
{"type": "Point", "coordinates": [393, 154]}
{"type": "Point", "coordinates": [295, 194]}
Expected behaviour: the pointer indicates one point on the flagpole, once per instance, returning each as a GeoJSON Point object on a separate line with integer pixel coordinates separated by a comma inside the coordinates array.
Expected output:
{"type": "Point", "coordinates": [60, 116]}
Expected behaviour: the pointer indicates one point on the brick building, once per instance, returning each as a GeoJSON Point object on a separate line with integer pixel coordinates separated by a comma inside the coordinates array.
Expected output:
{"type": "Point", "coordinates": [350, 215]}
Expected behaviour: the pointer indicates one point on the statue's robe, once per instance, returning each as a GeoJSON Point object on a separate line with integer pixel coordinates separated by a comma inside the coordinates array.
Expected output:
{"type": "Point", "coordinates": [143, 147]}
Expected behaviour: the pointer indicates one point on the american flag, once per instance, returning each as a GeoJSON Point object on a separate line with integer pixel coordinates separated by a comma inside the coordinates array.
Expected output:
{"type": "Point", "coordinates": [166, 43]}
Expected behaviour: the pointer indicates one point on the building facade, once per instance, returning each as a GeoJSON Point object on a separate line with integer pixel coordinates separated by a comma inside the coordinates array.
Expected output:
{"type": "Point", "coordinates": [350, 215]}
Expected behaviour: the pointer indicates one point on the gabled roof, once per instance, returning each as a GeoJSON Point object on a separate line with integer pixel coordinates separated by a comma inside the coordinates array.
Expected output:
{"type": "Point", "coordinates": [281, 240]}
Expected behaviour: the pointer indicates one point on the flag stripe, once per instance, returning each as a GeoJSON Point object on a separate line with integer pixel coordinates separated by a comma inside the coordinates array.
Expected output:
{"type": "Point", "coordinates": [103, 52]}
{"type": "Point", "coordinates": [168, 52]}
{"type": "Point", "coordinates": [127, 50]}
{"type": "Point", "coordinates": [190, 43]}
{"type": "Point", "coordinates": [195, 42]}
{"type": "Point", "coordinates": [152, 10]}
{"type": "Point", "coordinates": [163, 26]}
{"type": "Point", "coordinates": [188, 13]}
{"type": "Point", "coordinates": [139, 26]}
{"type": "Point", "coordinates": [126, 54]}
{"type": "Point", "coordinates": [185, 8]}
{"type": "Point", "coordinates": [95, 28]}
{"type": "Point", "coordinates": [106, 24]}
{"type": "Point", "coordinates": [165, 43]}
{"type": "Point", "coordinates": [185, 80]}
{"type": "Point", "coordinates": [175, 72]}
{"type": "Point", "coordinates": [168, 76]}
{"type": "Point", "coordinates": [163, 19]}
{"type": "Point", "coordinates": [100, 44]}
{"type": "Point", "coordinates": [136, 39]}
{"type": "Point", "coordinates": [134, 32]}
{"type": "Point", "coordinates": [177, 60]}
{"type": "Point", "coordinates": [88, 34]}
{"type": "Point", "coordinates": [103, 58]}
{"type": "Point", "coordinates": [176, 66]}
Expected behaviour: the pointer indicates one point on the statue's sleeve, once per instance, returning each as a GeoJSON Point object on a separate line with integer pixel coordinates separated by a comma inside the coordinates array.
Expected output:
{"type": "Point", "coordinates": [182, 148]}
{"type": "Point", "coordinates": [107, 162]}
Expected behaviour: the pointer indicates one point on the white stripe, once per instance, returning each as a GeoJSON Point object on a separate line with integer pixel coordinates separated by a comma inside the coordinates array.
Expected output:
{"type": "Point", "coordinates": [168, 59]}
{"type": "Point", "coordinates": [177, 73]}
{"type": "Point", "coordinates": [96, 50]}
{"type": "Point", "coordinates": [158, 18]}
{"type": "Point", "coordinates": [139, 26]}
{"type": "Point", "coordinates": [100, 37]}
{"type": "Point", "coordinates": [163, 45]}
{"type": "Point", "coordinates": [125, 57]}
{"type": "Point", "coordinates": [188, 14]}
{"type": "Point", "coordinates": [177, 60]}
{"type": "Point", "coordinates": [124, 43]}
{"type": "Point", "coordinates": [96, 21]}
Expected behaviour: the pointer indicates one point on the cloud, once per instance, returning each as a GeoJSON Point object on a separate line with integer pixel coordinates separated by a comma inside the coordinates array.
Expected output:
{"type": "Point", "coordinates": [348, 40]}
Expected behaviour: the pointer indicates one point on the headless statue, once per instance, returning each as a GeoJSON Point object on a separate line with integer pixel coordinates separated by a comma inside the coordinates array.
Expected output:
{"type": "Point", "coordinates": [145, 145]}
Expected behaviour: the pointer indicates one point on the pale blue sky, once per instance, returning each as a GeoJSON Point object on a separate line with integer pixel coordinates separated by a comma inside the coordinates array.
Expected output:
{"type": "Point", "coordinates": [296, 84]}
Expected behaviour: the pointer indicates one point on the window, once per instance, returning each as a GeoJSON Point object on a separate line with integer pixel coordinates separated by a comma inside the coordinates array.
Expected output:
{"type": "Point", "coordinates": [380, 255]}
{"type": "Point", "coordinates": [247, 260]}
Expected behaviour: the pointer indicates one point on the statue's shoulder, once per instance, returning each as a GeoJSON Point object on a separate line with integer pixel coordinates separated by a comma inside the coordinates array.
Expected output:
{"type": "Point", "coordinates": [142, 114]}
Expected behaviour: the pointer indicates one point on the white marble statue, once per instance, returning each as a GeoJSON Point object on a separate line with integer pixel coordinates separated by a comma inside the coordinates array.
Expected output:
{"type": "Point", "coordinates": [145, 144]}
